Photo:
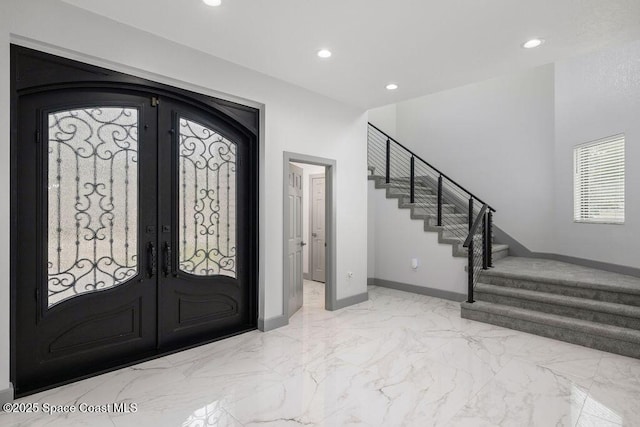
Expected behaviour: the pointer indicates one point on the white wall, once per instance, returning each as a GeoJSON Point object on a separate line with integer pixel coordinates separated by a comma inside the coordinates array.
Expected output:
{"type": "Point", "coordinates": [398, 239]}
{"type": "Point", "coordinates": [384, 118]}
{"type": "Point", "coordinates": [371, 233]}
{"type": "Point", "coordinates": [598, 95]}
{"type": "Point", "coordinates": [295, 120]}
{"type": "Point", "coordinates": [306, 198]}
{"type": "Point", "coordinates": [4, 207]}
{"type": "Point", "coordinates": [495, 138]}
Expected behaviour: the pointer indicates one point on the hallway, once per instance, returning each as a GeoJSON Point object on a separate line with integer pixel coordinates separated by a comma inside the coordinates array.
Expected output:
{"type": "Point", "coordinates": [397, 359]}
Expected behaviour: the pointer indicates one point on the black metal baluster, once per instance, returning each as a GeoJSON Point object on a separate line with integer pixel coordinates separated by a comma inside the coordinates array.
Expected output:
{"type": "Point", "coordinates": [440, 201]}
{"type": "Point", "coordinates": [470, 255]}
{"type": "Point", "coordinates": [412, 185]}
{"type": "Point", "coordinates": [485, 243]}
{"type": "Point", "coordinates": [490, 239]}
{"type": "Point", "coordinates": [388, 166]}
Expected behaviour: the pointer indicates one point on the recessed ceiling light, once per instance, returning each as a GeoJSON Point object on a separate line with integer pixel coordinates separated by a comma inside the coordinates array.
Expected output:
{"type": "Point", "coordinates": [324, 53]}
{"type": "Point", "coordinates": [212, 2]}
{"type": "Point", "coordinates": [391, 86]}
{"type": "Point", "coordinates": [530, 44]}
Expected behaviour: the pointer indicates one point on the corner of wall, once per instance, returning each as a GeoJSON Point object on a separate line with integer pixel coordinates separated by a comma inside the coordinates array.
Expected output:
{"type": "Point", "coordinates": [7, 395]}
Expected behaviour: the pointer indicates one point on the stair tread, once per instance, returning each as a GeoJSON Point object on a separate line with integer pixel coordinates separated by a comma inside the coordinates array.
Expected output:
{"type": "Point", "coordinates": [561, 273]}
{"type": "Point", "coordinates": [554, 320]}
{"type": "Point", "coordinates": [569, 301]}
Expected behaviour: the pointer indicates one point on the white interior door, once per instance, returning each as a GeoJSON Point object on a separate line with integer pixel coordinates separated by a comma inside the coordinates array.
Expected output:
{"type": "Point", "coordinates": [295, 242]}
{"type": "Point", "coordinates": [317, 229]}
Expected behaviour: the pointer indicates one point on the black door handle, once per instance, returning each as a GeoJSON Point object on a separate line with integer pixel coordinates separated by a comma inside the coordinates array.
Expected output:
{"type": "Point", "coordinates": [166, 268]}
{"type": "Point", "coordinates": [152, 259]}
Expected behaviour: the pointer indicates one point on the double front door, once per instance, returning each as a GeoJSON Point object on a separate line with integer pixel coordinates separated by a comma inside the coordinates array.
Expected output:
{"type": "Point", "coordinates": [134, 231]}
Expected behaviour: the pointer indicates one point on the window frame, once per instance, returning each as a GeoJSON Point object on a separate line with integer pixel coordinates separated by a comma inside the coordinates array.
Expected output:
{"type": "Point", "coordinates": [578, 178]}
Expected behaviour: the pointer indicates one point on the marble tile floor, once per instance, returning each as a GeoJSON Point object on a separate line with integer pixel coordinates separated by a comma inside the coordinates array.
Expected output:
{"type": "Point", "coordinates": [399, 359]}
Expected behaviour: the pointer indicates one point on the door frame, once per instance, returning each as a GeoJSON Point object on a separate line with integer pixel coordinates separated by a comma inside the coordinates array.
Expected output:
{"type": "Point", "coordinates": [330, 295]}
{"type": "Point", "coordinates": [310, 219]}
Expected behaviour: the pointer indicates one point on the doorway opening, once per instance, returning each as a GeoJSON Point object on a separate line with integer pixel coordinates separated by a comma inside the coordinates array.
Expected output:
{"type": "Point", "coordinates": [308, 233]}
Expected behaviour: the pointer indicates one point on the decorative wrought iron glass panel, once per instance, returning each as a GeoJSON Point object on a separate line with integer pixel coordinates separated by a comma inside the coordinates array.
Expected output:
{"type": "Point", "coordinates": [93, 200]}
{"type": "Point", "coordinates": [207, 201]}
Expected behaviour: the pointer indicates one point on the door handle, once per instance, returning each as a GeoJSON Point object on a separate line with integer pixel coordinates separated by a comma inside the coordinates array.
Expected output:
{"type": "Point", "coordinates": [314, 234]}
{"type": "Point", "coordinates": [303, 244]}
{"type": "Point", "coordinates": [152, 259]}
{"type": "Point", "coordinates": [166, 268]}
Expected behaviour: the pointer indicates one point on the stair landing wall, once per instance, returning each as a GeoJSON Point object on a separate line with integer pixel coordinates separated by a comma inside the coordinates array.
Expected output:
{"type": "Point", "coordinates": [398, 239]}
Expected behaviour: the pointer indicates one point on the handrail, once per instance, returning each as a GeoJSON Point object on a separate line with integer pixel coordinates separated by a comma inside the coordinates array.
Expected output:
{"type": "Point", "coordinates": [475, 226]}
{"type": "Point", "coordinates": [431, 166]}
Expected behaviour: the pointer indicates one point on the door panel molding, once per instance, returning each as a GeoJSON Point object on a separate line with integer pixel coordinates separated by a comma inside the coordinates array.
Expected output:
{"type": "Point", "coordinates": [103, 336]}
{"type": "Point", "coordinates": [315, 243]}
{"type": "Point", "coordinates": [295, 243]}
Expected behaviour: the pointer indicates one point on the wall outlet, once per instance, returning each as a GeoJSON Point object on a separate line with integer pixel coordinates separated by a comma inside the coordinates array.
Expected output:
{"type": "Point", "coordinates": [414, 263]}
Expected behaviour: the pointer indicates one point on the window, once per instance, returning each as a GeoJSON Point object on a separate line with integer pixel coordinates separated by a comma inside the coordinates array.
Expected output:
{"type": "Point", "coordinates": [599, 181]}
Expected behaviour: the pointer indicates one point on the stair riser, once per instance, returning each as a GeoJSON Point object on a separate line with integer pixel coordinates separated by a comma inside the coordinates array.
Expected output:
{"type": "Point", "coordinates": [419, 198]}
{"type": "Point", "coordinates": [575, 337]}
{"type": "Point", "coordinates": [462, 253]}
{"type": "Point", "coordinates": [433, 210]}
{"type": "Point", "coordinates": [407, 188]}
{"type": "Point", "coordinates": [462, 230]}
{"type": "Point", "coordinates": [594, 294]}
{"type": "Point", "coordinates": [459, 234]}
{"type": "Point", "coordinates": [381, 182]}
{"type": "Point", "coordinates": [578, 313]}
{"type": "Point", "coordinates": [497, 255]}
{"type": "Point", "coordinates": [449, 220]}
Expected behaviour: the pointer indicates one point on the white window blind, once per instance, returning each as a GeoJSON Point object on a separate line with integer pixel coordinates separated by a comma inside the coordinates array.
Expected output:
{"type": "Point", "coordinates": [598, 181]}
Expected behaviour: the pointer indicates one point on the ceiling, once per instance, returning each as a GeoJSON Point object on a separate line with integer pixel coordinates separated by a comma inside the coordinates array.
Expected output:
{"type": "Point", "coordinates": [423, 45]}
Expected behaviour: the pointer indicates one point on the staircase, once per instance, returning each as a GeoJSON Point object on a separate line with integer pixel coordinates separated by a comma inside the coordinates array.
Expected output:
{"type": "Point", "coordinates": [558, 300]}
{"type": "Point", "coordinates": [445, 206]}
{"type": "Point", "coordinates": [455, 222]}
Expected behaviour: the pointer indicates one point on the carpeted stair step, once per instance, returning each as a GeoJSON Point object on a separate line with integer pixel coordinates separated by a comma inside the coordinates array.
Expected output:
{"type": "Point", "coordinates": [609, 338]}
{"type": "Point", "coordinates": [564, 279]}
{"type": "Point", "coordinates": [626, 316]}
{"type": "Point", "coordinates": [498, 251]}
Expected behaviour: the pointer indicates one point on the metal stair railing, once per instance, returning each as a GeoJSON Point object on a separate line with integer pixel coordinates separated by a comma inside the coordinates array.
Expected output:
{"type": "Point", "coordinates": [465, 219]}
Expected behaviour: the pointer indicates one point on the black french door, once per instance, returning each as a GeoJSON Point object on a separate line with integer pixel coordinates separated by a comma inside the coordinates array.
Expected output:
{"type": "Point", "coordinates": [134, 210]}
{"type": "Point", "coordinates": [205, 230]}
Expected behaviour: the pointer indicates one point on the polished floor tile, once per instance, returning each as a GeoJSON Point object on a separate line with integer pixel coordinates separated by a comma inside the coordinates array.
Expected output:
{"type": "Point", "coordinates": [398, 359]}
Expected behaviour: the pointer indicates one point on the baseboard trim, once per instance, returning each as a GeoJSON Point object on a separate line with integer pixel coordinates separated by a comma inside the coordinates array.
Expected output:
{"type": "Point", "coordinates": [6, 395]}
{"type": "Point", "coordinates": [349, 301]}
{"type": "Point", "coordinates": [422, 290]}
{"type": "Point", "coordinates": [272, 323]}
{"type": "Point", "coordinates": [518, 249]}
{"type": "Point", "coordinates": [370, 281]}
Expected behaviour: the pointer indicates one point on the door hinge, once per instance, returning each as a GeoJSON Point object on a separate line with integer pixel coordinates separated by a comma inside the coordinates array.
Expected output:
{"type": "Point", "coordinates": [38, 138]}
{"type": "Point", "coordinates": [37, 294]}
{"type": "Point", "coordinates": [155, 101]}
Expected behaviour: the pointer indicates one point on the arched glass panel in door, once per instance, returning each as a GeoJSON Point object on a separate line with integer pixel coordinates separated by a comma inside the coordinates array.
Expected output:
{"type": "Point", "coordinates": [92, 191]}
{"type": "Point", "coordinates": [207, 198]}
